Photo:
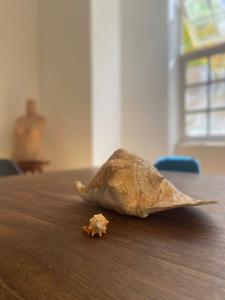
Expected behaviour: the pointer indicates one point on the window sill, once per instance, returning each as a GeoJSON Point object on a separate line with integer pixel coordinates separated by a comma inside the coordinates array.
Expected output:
{"type": "Point", "coordinates": [206, 143]}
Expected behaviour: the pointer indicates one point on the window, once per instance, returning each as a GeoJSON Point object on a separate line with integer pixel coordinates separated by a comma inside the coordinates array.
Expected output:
{"type": "Point", "coordinates": [203, 68]}
{"type": "Point", "coordinates": [203, 24]}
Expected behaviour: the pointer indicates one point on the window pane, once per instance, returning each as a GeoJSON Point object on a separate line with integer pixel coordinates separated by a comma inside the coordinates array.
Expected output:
{"type": "Point", "coordinates": [187, 43]}
{"type": "Point", "coordinates": [221, 25]}
{"type": "Point", "coordinates": [217, 63]}
{"type": "Point", "coordinates": [196, 125]}
{"type": "Point", "coordinates": [197, 9]}
{"type": "Point", "coordinates": [218, 5]}
{"type": "Point", "coordinates": [196, 98]}
{"type": "Point", "coordinates": [217, 123]}
{"type": "Point", "coordinates": [203, 23]}
{"type": "Point", "coordinates": [197, 70]}
{"type": "Point", "coordinates": [206, 31]}
{"type": "Point", "coordinates": [217, 95]}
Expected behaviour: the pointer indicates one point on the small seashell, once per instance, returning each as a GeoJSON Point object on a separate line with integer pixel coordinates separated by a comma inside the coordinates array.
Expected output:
{"type": "Point", "coordinates": [98, 225]}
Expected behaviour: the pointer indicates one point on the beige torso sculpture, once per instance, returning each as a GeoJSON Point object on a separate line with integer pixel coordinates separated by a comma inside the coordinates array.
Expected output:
{"type": "Point", "coordinates": [28, 134]}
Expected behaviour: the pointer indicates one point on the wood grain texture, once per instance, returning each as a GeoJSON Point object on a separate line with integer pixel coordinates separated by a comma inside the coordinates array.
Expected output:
{"type": "Point", "coordinates": [177, 254]}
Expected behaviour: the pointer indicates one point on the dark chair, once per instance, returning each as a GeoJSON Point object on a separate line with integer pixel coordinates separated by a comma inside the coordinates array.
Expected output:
{"type": "Point", "coordinates": [178, 164]}
{"type": "Point", "coordinates": [9, 167]}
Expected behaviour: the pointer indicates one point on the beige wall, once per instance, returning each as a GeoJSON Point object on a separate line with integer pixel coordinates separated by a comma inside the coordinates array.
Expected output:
{"type": "Point", "coordinates": [211, 157]}
{"type": "Point", "coordinates": [105, 54]}
{"type": "Point", "coordinates": [144, 77]}
{"type": "Point", "coordinates": [45, 53]}
{"type": "Point", "coordinates": [136, 117]}
{"type": "Point", "coordinates": [18, 64]}
{"type": "Point", "coordinates": [173, 98]}
{"type": "Point", "coordinates": [65, 81]}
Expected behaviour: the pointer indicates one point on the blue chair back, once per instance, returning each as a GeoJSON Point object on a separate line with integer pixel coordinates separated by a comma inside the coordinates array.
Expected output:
{"type": "Point", "coordinates": [8, 167]}
{"type": "Point", "coordinates": [178, 164]}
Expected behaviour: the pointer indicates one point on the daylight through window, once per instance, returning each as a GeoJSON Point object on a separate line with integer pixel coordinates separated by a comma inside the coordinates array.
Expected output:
{"type": "Point", "coordinates": [203, 31]}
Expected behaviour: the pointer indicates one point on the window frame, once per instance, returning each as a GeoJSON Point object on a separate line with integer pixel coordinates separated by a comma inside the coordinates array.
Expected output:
{"type": "Point", "coordinates": [184, 59]}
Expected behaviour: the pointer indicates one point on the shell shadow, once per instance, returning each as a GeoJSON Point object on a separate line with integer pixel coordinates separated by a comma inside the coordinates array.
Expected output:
{"type": "Point", "coordinates": [177, 224]}
{"type": "Point", "coordinates": [187, 223]}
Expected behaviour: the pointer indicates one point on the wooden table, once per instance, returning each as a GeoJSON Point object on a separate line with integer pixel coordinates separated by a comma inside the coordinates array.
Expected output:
{"type": "Point", "coordinates": [44, 254]}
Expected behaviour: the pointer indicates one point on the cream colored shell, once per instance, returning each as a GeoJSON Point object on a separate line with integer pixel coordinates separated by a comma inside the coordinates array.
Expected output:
{"type": "Point", "coordinates": [130, 185]}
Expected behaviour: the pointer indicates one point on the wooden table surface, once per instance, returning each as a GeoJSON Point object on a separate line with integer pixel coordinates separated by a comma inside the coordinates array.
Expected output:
{"type": "Point", "coordinates": [44, 254]}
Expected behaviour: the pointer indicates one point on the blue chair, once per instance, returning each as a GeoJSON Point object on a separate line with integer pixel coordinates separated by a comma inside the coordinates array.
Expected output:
{"type": "Point", "coordinates": [8, 167]}
{"type": "Point", "coordinates": [178, 164]}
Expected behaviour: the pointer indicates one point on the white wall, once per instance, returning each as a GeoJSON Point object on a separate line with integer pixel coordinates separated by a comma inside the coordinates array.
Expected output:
{"type": "Point", "coordinates": [45, 53]}
{"type": "Point", "coordinates": [64, 38]}
{"type": "Point", "coordinates": [144, 77]}
{"type": "Point", "coordinates": [174, 104]}
{"type": "Point", "coordinates": [105, 54]}
{"type": "Point", "coordinates": [18, 64]}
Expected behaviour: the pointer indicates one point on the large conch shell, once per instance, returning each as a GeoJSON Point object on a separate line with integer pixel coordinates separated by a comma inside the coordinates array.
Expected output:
{"type": "Point", "coordinates": [130, 185]}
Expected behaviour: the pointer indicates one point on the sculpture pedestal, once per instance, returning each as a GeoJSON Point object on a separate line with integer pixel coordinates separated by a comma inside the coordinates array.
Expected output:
{"type": "Point", "coordinates": [33, 166]}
